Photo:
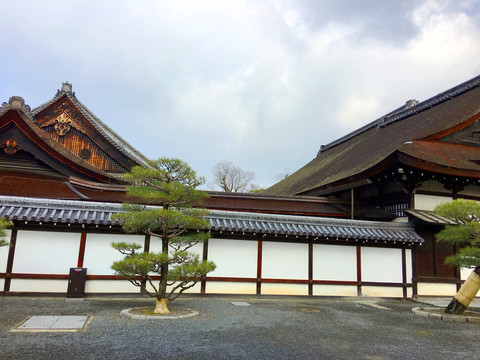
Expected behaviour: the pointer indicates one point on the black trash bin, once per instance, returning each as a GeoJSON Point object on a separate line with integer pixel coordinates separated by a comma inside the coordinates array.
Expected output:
{"type": "Point", "coordinates": [76, 283]}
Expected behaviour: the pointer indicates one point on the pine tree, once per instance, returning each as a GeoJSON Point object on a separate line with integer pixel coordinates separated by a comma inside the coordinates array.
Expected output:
{"type": "Point", "coordinates": [467, 235]}
{"type": "Point", "coordinates": [169, 184]}
{"type": "Point", "coordinates": [3, 225]}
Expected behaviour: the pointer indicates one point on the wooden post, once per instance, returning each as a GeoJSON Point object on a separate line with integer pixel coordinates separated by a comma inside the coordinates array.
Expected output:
{"type": "Point", "coordinates": [11, 255]}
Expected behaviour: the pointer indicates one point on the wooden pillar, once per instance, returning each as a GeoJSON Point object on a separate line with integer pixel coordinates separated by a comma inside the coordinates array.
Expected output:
{"type": "Point", "coordinates": [352, 203]}
{"type": "Point", "coordinates": [11, 255]}
{"type": "Point", "coordinates": [404, 272]}
{"type": "Point", "coordinates": [81, 250]}
{"type": "Point", "coordinates": [203, 282]}
{"type": "Point", "coordinates": [359, 271]}
{"type": "Point", "coordinates": [414, 271]}
{"type": "Point", "coordinates": [259, 267]}
{"type": "Point", "coordinates": [310, 268]}
{"type": "Point", "coordinates": [146, 249]}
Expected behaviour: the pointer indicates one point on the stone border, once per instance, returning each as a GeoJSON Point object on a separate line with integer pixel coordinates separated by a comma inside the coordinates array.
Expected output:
{"type": "Point", "coordinates": [427, 312]}
{"type": "Point", "coordinates": [127, 313]}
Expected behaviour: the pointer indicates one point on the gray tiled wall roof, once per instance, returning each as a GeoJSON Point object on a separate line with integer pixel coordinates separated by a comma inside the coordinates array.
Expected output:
{"type": "Point", "coordinates": [91, 213]}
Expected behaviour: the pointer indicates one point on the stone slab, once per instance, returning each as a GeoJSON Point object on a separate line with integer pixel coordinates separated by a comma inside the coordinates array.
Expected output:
{"type": "Point", "coordinates": [239, 303]}
{"type": "Point", "coordinates": [39, 322]}
{"type": "Point", "coordinates": [54, 323]}
{"type": "Point", "coordinates": [70, 323]}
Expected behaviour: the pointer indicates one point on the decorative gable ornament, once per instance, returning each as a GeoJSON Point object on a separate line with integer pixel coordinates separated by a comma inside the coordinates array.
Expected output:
{"type": "Point", "coordinates": [63, 122]}
{"type": "Point", "coordinates": [16, 103]}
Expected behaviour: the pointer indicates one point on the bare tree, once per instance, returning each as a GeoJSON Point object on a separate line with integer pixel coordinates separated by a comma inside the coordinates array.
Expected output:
{"type": "Point", "coordinates": [231, 178]}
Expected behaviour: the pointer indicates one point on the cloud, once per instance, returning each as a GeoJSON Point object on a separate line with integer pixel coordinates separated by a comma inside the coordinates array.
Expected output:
{"type": "Point", "coordinates": [262, 84]}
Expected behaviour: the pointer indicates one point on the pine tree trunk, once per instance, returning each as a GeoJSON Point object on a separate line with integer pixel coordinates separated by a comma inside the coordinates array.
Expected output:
{"type": "Point", "coordinates": [466, 294]}
{"type": "Point", "coordinates": [161, 306]}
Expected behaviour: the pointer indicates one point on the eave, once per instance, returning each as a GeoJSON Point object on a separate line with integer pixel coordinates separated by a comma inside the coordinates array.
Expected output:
{"type": "Point", "coordinates": [51, 152]}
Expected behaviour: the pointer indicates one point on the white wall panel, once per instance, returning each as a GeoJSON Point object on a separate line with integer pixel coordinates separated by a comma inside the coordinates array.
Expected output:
{"type": "Point", "coordinates": [284, 260]}
{"type": "Point", "coordinates": [234, 258]}
{"type": "Point", "coordinates": [156, 247]}
{"type": "Point", "coordinates": [220, 287]}
{"type": "Point", "coordinates": [4, 254]}
{"type": "Point", "coordinates": [409, 292]}
{"type": "Point", "coordinates": [45, 252]}
{"type": "Point", "coordinates": [429, 202]}
{"type": "Point", "coordinates": [110, 286]}
{"type": "Point", "coordinates": [284, 289]}
{"type": "Point", "coordinates": [436, 289]}
{"type": "Point", "coordinates": [465, 273]}
{"type": "Point", "coordinates": [334, 290]}
{"type": "Point", "coordinates": [99, 254]}
{"type": "Point", "coordinates": [36, 285]}
{"type": "Point", "coordinates": [193, 290]}
{"type": "Point", "coordinates": [382, 291]}
{"type": "Point", "coordinates": [408, 265]}
{"type": "Point", "coordinates": [334, 262]}
{"type": "Point", "coordinates": [381, 264]}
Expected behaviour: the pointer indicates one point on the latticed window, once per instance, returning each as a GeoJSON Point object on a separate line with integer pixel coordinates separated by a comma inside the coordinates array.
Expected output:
{"type": "Point", "coordinates": [397, 209]}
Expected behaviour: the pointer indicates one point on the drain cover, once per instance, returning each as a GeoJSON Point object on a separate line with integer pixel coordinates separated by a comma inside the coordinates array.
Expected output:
{"type": "Point", "coordinates": [54, 323]}
{"type": "Point", "coordinates": [239, 303]}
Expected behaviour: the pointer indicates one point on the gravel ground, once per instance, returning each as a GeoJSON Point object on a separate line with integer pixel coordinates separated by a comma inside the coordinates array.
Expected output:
{"type": "Point", "coordinates": [271, 328]}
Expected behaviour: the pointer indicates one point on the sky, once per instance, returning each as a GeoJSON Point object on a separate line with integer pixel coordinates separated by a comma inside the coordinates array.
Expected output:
{"type": "Point", "coordinates": [262, 84]}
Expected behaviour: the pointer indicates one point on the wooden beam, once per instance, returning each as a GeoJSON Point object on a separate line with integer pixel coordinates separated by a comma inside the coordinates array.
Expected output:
{"type": "Point", "coordinates": [11, 255]}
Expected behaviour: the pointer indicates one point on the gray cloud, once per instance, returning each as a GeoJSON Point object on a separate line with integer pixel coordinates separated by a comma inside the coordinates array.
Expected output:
{"type": "Point", "coordinates": [262, 84]}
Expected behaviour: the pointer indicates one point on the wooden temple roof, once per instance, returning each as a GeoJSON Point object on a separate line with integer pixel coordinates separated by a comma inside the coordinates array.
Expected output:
{"type": "Point", "coordinates": [87, 118]}
{"type": "Point", "coordinates": [441, 134]}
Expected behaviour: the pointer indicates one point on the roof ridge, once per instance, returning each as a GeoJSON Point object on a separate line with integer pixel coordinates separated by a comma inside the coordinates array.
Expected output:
{"type": "Point", "coordinates": [111, 134]}
{"type": "Point", "coordinates": [395, 115]}
{"type": "Point", "coordinates": [92, 205]}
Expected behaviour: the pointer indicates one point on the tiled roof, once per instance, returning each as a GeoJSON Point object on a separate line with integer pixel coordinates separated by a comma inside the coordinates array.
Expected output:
{"type": "Point", "coordinates": [90, 213]}
{"type": "Point", "coordinates": [121, 144]}
{"type": "Point", "coordinates": [317, 227]}
{"type": "Point", "coordinates": [431, 218]}
{"type": "Point", "coordinates": [407, 111]}
{"type": "Point", "coordinates": [350, 158]}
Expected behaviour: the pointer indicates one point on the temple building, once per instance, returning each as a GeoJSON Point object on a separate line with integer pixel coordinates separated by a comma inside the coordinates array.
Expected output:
{"type": "Point", "coordinates": [406, 163]}
{"type": "Point", "coordinates": [354, 221]}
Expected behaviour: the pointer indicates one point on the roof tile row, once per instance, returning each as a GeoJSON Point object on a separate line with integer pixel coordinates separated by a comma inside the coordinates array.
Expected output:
{"type": "Point", "coordinates": [90, 213]}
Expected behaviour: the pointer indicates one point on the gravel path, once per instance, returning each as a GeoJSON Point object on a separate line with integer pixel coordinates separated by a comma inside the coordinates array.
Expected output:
{"type": "Point", "coordinates": [271, 328]}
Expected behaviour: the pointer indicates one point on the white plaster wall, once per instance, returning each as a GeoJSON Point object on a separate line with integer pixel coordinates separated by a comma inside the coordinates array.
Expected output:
{"type": "Point", "coordinates": [334, 262]}
{"type": "Point", "coordinates": [156, 247]}
{"type": "Point", "coordinates": [334, 290]}
{"type": "Point", "coordinates": [2, 283]}
{"type": "Point", "coordinates": [234, 258]}
{"type": "Point", "coordinates": [465, 273]}
{"type": "Point", "coordinates": [193, 290]}
{"type": "Point", "coordinates": [110, 286]}
{"type": "Point", "coordinates": [429, 202]}
{"type": "Point", "coordinates": [99, 254]}
{"type": "Point", "coordinates": [408, 265]}
{"type": "Point", "coordinates": [284, 261]}
{"type": "Point", "coordinates": [45, 252]}
{"type": "Point", "coordinates": [436, 289]}
{"type": "Point", "coordinates": [4, 254]}
{"type": "Point", "coordinates": [284, 289]}
{"type": "Point", "coordinates": [381, 264]}
{"type": "Point", "coordinates": [36, 285]}
{"type": "Point", "coordinates": [220, 287]}
{"type": "Point", "coordinates": [382, 291]}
